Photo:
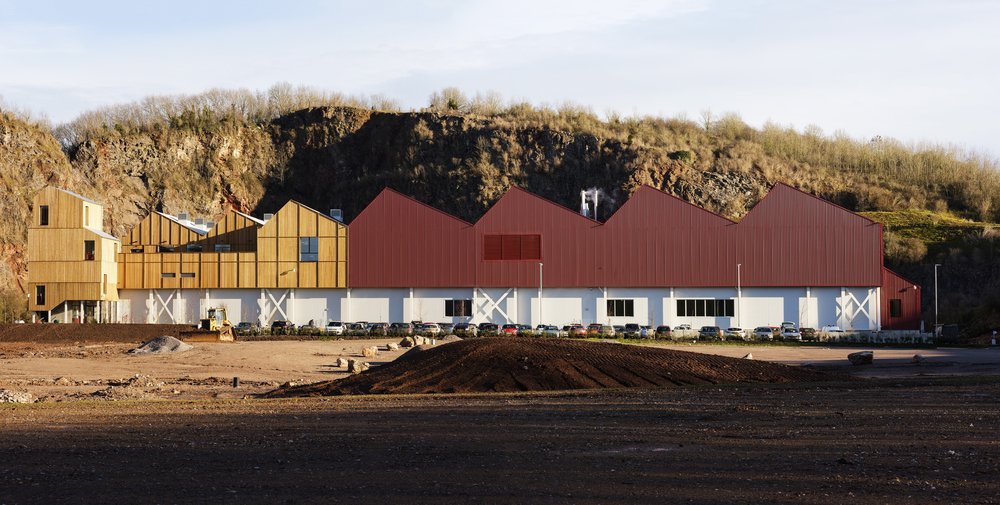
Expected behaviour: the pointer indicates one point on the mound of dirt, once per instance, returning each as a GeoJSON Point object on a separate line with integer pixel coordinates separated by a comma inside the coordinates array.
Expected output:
{"type": "Point", "coordinates": [520, 364]}
{"type": "Point", "coordinates": [162, 345]}
{"type": "Point", "coordinates": [52, 333]}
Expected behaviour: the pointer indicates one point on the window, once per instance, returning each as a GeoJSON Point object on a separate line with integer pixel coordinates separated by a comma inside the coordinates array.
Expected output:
{"type": "Point", "coordinates": [88, 250]}
{"type": "Point", "coordinates": [187, 275]}
{"type": "Point", "coordinates": [706, 308]}
{"type": "Point", "coordinates": [39, 295]}
{"type": "Point", "coordinates": [43, 216]}
{"type": "Point", "coordinates": [165, 248]}
{"type": "Point", "coordinates": [308, 249]}
{"type": "Point", "coordinates": [168, 275]}
{"type": "Point", "coordinates": [458, 308]}
{"type": "Point", "coordinates": [86, 215]}
{"type": "Point", "coordinates": [896, 307]}
{"type": "Point", "coordinates": [223, 248]}
{"type": "Point", "coordinates": [512, 247]}
{"type": "Point", "coordinates": [193, 248]}
{"type": "Point", "coordinates": [137, 250]}
{"type": "Point", "coordinates": [621, 308]}
{"type": "Point", "coordinates": [104, 288]}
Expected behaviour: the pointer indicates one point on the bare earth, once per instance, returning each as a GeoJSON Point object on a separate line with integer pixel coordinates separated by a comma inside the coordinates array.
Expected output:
{"type": "Point", "coordinates": [909, 437]}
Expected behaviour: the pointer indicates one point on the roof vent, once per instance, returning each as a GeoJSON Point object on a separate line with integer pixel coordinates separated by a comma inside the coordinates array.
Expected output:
{"type": "Point", "coordinates": [337, 214]}
{"type": "Point", "coordinates": [199, 221]}
{"type": "Point", "coordinates": [268, 216]}
{"type": "Point", "coordinates": [210, 225]}
{"type": "Point", "coordinates": [183, 216]}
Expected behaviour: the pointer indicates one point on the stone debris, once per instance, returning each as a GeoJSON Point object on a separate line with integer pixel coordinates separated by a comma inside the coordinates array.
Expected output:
{"type": "Point", "coordinates": [137, 387]}
{"type": "Point", "coordinates": [448, 338]}
{"type": "Point", "coordinates": [406, 342]}
{"type": "Point", "coordinates": [357, 366]}
{"type": "Point", "coordinates": [370, 352]}
{"type": "Point", "coordinates": [392, 347]}
{"type": "Point", "coordinates": [918, 358]}
{"type": "Point", "coordinates": [7, 396]}
{"type": "Point", "coordinates": [749, 355]}
{"type": "Point", "coordinates": [861, 357]}
{"type": "Point", "coordinates": [341, 362]}
{"type": "Point", "coordinates": [162, 345]}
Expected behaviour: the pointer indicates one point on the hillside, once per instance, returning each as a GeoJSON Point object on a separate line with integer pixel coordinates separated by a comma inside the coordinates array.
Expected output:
{"type": "Point", "coordinates": [460, 157]}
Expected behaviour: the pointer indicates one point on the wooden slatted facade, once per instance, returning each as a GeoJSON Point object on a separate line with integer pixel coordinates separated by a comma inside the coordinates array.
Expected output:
{"type": "Point", "coordinates": [162, 253]}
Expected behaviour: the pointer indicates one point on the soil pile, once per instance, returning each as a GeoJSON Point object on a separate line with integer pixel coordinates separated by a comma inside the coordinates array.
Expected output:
{"type": "Point", "coordinates": [520, 364]}
{"type": "Point", "coordinates": [137, 387]}
{"type": "Point", "coordinates": [162, 345]}
{"type": "Point", "coordinates": [63, 333]}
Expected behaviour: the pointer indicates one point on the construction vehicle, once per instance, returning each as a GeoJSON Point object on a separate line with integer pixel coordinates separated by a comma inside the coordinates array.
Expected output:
{"type": "Point", "coordinates": [215, 328]}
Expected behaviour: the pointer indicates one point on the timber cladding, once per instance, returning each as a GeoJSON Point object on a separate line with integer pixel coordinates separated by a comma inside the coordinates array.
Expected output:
{"type": "Point", "coordinates": [297, 248]}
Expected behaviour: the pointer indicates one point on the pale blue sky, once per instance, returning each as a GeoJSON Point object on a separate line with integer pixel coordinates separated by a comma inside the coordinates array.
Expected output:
{"type": "Point", "coordinates": [913, 70]}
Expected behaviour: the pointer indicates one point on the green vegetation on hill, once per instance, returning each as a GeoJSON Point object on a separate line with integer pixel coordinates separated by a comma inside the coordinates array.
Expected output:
{"type": "Point", "coordinates": [254, 150]}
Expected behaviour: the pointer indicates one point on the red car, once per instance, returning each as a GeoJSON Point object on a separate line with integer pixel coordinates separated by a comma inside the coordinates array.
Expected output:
{"type": "Point", "coordinates": [510, 329]}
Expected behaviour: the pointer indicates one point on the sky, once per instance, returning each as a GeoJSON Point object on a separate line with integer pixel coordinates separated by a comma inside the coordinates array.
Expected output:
{"type": "Point", "coordinates": [918, 71]}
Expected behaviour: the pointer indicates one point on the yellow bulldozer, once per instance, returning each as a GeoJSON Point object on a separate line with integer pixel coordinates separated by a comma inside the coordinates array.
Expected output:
{"type": "Point", "coordinates": [215, 328]}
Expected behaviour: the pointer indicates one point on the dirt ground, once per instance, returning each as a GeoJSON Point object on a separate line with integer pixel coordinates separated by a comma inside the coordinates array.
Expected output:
{"type": "Point", "coordinates": [910, 436]}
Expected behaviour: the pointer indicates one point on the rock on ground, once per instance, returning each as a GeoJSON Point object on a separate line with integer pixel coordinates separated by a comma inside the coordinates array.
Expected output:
{"type": "Point", "coordinates": [370, 351]}
{"type": "Point", "coordinates": [161, 345]}
{"type": "Point", "coordinates": [861, 357]}
{"type": "Point", "coordinates": [7, 396]}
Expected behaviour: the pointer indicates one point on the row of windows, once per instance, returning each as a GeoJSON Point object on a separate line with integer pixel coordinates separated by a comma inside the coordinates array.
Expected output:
{"type": "Point", "coordinates": [621, 308]}
{"type": "Point", "coordinates": [458, 308]}
{"type": "Point", "coordinates": [706, 308]}
{"type": "Point", "coordinates": [172, 275]}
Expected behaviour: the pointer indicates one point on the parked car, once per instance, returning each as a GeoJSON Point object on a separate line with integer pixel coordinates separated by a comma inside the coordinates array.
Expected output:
{"type": "Point", "coordinates": [510, 329]}
{"type": "Point", "coordinates": [664, 331]}
{"type": "Point", "coordinates": [446, 328]}
{"type": "Point", "coordinates": [523, 329]}
{"type": "Point", "coordinates": [710, 333]}
{"type": "Point", "coordinates": [378, 329]}
{"type": "Point", "coordinates": [619, 329]}
{"type": "Point", "coordinates": [488, 328]}
{"type": "Point", "coordinates": [683, 327]}
{"type": "Point", "coordinates": [632, 330]}
{"type": "Point", "coordinates": [593, 330]}
{"type": "Point", "coordinates": [577, 331]}
{"type": "Point", "coordinates": [281, 326]}
{"type": "Point", "coordinates": [550, 331]}
{"type": "Point", "coordinates": [763, 333]}
{"type": "Point", "coordinates": [607, 330]}
{"type": "Point", "coordinates": [788, 324]}
{"type": "Point", "coordinates": [465, 330]}
{"type": "Point", "coordinates": [645, 331]}
{"type": "Point", "coordinates": [735, 333]}
{"type": "Point", "coordinates": [399, 329]}
{"type": "Point", "coordinates": [791, 334]}
{"type": "Point", "coordinates": [335, 328]}
{"type": "Point", "coordinates": [831, 329]}
{"type": "Point", "coordinates": [245, 328]}
{"type": "Point", "coordinates": [431, 328]}
{"type": "Point", "coordinates": [357, 328]}
{"type": "Point", "coordinates": [808, 334]}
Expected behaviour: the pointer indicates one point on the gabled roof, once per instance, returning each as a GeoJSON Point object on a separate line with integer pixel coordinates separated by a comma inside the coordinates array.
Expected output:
{"type": "Point", "coordinates": [191, 226]}
{"type": "Point", "coordinates": [647, 191]}
{"type": "Point", "coordinates": [102, 234]}
{"type": "Point", "coordinates": [77, 195]}
{"type": "Point", "coordinates": [248, 216]}
{"type": "Point", "coordinates": [391, 194]}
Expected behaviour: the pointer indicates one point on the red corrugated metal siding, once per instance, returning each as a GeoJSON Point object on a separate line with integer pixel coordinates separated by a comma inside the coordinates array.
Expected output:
{"type": "Point", "coordinates": [654, 240]}
{"type": "Point", "coordinates": [398, 242]}
{"type": "Point", "coordinates": [895, 286]}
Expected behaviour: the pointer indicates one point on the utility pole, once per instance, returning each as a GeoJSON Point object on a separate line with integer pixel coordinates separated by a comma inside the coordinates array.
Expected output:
{"type": "Point", "coordinates": [739, 296]}
{"type": "Point", "coordinates": [541, 320]}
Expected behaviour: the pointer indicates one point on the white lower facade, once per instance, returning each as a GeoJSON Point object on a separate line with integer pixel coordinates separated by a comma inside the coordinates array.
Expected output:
{"type": "Point", "coordinates": [851, 308]}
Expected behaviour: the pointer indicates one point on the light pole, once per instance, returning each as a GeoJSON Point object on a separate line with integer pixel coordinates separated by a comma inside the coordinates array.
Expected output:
{"type": "Point", "coordinates": [936, 266]}
{"type": "Point", "coordinates": [739, 296]}
{"type": "Point", "coordinates": [541, 320]}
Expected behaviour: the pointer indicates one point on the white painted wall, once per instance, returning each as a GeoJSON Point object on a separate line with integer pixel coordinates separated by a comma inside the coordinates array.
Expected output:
{"type": "Point", "coordinates": [561, 306]}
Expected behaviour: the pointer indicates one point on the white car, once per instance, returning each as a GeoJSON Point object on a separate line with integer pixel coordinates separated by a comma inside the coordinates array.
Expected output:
{"type": "Point", "coordinates": [735, 334]}
{"type": "Point", "coordinates": [763, 333]}
{"type": "Point", "coordinates": [791, 334]}
{"type": "Point", "coordinates": [431, 328]}
{"type": "Point", "coordinates": [551, 331]}
{"type": "Point", "coordinates": [831, 329]}
{"type": "Point", "coordinates": [335, 328]}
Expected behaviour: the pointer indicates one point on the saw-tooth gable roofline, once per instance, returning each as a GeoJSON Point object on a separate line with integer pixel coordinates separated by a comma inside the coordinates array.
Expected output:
{"type": "Point", "coordinates": [516, 190]}
{"type": "Point", "coordinates": [780, 188]}
{"type": "Point", "coordinates": [389, 193]}
{"type": "Point", "coordinates": [659, 193]}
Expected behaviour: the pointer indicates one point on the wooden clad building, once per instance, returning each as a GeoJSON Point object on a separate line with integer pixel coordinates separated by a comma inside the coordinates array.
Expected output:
{"type": "Point", "coordinates": [72, 271]}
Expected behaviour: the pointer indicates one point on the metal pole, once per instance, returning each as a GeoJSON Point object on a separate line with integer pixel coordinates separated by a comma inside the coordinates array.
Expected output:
{"type": "Point", "coordinates": [541, 320]}
{"type": "Point", "coordinates": [739, 296]}
{"type": "Point", "coordinates": [936, 265]}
